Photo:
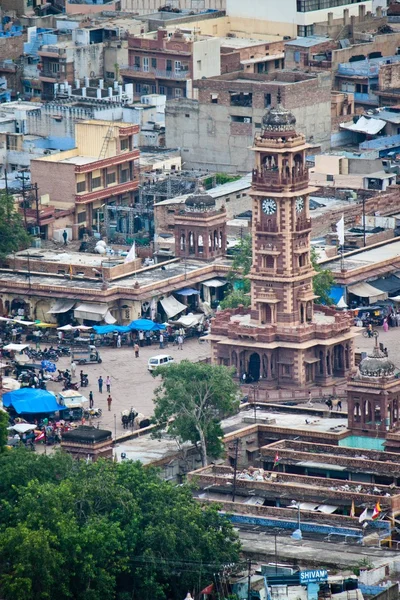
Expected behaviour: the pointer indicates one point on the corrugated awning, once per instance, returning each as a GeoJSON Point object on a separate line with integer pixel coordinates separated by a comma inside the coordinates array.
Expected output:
{"type": "Point", "coordinates": [328, 509]}
{"type": "Point", "coordinates": [308, 506]}
{"type": "Point", "coordinates": [364, 125]}
{"type": "Point", "coordinates": [390, 284]}
{"type": "Point", "coordinates": [365, 290]}
{"type": "Point", "coordinates": [214, 283]}
{"type": "Point", "coordinates": [321, 465]}
{"type": "Point", "coordinates": [91, 312]}
{"type": "Point", "coordinates": [61, 306]}
{"type": "Point", "coordinates": [172, 306]}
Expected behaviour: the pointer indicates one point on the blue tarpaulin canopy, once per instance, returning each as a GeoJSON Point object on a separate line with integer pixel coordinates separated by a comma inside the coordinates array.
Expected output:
{"type": "Point", "coordinates": [102, 329]}
{"type": "Point", "coordinates": [143, 324]}
{"type": "Point", "coordinates": [336, 293]}
{"type": "Point", "coordinates": [31, 400]}
{"type": "Point", "coordinates": [188, 292]}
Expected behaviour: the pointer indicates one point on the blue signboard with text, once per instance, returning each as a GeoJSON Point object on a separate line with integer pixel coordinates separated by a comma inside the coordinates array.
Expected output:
{"type": "Point", "coordinates": [313, 576]}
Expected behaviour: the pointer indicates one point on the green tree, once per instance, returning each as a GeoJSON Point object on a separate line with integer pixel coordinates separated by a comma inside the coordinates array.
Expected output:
{"type": "Point", "coordinates": [13, 235]}
{"type": "Point", "coordinates": [3, 429]}
{"type": "Point", "coordinates": [239, 283]}
{"type": "Point", "coordinates": [191, 401]}
{"type": "Point", "coordinates": [322, 281]}
{"type": "Point", "coordinates": [104, 531]}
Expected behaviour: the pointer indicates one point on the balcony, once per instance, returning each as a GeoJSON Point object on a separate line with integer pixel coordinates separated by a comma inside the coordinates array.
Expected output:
{"type": "Point", "coordinates": [8, 66]}
{"type": "Point", "coordinates": [51, 76]}
{"type": "Point", "coordinates": [108, 192]}
{"type": "Point", "coordinates": [138, 72]}
{"type": "Point", "coordinates": [269, 180]}
{"type": "Point", "coordinates": [303, 225]}
{"type": "Point", "coordinates": [52, 51]}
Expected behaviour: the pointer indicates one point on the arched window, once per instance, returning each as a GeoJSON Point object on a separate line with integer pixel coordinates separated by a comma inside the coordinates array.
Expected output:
{"type": "Point", "coordinates": [357, 412]}
{"type": "Point", "coordinates": [183, 241]}
{"type": "Point", "coordinates": [191, 242]}
{"type": "Point", "coordinates": [200, 244]}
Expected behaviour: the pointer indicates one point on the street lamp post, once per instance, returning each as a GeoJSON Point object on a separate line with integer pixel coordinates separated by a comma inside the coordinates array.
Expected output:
{"type": "Point", "coordinates": [297, 535]}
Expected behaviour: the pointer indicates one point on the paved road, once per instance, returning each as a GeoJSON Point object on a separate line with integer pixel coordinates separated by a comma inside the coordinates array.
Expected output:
{"type": "Point", "coordinates": [132, 384]}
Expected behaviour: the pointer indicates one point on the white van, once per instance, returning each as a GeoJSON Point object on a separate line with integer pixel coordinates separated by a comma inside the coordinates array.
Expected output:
{"type": "Point", "coordinates": [159, 361]}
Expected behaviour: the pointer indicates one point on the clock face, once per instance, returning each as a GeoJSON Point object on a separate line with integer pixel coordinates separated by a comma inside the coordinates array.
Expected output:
{"type": "Point", "coordinates": [299, 204]}
{"type": "Point", "coordinates": [269, 206]}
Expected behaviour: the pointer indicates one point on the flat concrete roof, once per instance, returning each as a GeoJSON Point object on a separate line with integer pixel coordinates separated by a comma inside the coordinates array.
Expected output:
{"type": "Point", "coordinates": [308, 42]}
{"type": "Point", "coordinates": [289, 421]}
{"type": "Point", "coordinates": [225, 189]}
{"type": "Point", "coordinates": [79, 160]}
{"type": "Point", "coordinates": [366, 257]}
{"type": "Point", "coordinates": [148, 450]}
{"type": "Point", "coordinates": [70, 258]}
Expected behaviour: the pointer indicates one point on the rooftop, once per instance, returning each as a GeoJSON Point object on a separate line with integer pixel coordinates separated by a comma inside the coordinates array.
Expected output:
{"type": "Point", "coordinates": [288, 420]}
{"type": "Point", "coordinates": [308, 42]}
{"type": "Point", "coordinates": [225, 189]}
{"type": "Point", "coordinates": [229, 42]}
{"type": "Point", "coordinates": [362, 258]}
{"type": "Point", "coordinates": [70, 258]}
{"type": "Point", "coordinates": [148, 450]}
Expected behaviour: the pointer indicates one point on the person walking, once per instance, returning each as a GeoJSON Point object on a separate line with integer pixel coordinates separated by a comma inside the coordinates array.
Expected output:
{"type": "Point", "coordinates": [100, 382]}
{"type": "Point", "coordinates": [148, 338]}
{"type": "Point", "coordinates": [91, 402]}
{"type": "Point", "coordinates": [385, 325]}
{"type": "Point", "coordinates": [141, 338]}
{"type": "Point", "coordinates": [119, 340]}
{"type": "Point", "coordinates": [136, 348]}
{"type": "Point", "coordinates": [108, 383]}
{"type": "Point", "coordinates": [161, 341]}
{"type": "Point", "coordinates": [180, 342]}
{"type": "Point", "coordinates": [65, 237]}
{"type": "Point", "coordinates": [309, 403]}
{"type": "Point", "coordinates": [339, 406]}
{"type": "Point", "coordinates": [109, 401]}
{"type": "Point", "coordinates": [73, 369]}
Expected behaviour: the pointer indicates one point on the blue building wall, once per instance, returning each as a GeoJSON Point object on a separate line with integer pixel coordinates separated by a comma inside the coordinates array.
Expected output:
{"type": "Point", "coordinates": [53, 142]}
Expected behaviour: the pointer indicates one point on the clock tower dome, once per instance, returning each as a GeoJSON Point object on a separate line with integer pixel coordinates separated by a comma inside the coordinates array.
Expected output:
{"type": "Point", "coordinates": [284, 340]}
{"type": "Point", "coordinates": [281, 275]}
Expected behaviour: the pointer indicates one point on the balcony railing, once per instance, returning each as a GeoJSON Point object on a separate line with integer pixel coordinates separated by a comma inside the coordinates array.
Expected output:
{"type": "Point", "coordinates": [52, 75]}
{"type": "Point", "coordinates": [277, 181]}
{"type": "Point", "coordinates": [303, 225]}
{"type": "Point", "coordinates": [133, 70]}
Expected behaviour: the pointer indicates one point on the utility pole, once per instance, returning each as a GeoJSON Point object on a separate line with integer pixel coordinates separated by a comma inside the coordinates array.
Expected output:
{"type": "Point", "coordinates": [364, 236]}
{"type": "Point", "coordinates": [35, 187]}
{"type": "Point", "coordinates": [249, 579]}
{"type": "Point", "coordinates": [235, 469]}
{"type": "Point", "coordinates": [23, 179]}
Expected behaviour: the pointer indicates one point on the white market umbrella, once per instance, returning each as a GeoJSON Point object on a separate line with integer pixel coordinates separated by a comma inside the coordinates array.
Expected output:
{"type": "Point", "coordinates": [66, 328]}
{"type": "Point", "coordinates": [22, 427]}
{"type": "Point", "coordinates": [10, 384]}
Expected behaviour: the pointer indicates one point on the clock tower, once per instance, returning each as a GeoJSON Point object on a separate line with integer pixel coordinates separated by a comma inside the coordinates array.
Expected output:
{"type": "Point", "coordinates": [281, 275]}
{"type": "Point", "coordinates": [284, 339]}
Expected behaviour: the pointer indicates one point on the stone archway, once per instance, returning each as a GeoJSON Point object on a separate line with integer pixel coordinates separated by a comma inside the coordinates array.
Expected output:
{"type": "Point", "coordinates": [254, 366]}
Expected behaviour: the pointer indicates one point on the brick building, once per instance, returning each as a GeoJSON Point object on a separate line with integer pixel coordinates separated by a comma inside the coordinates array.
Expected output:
{"type": "Point", "coordinates": [217, 131]}
{"type": "Point", "coordinates": [282, 341]}
{"type": "Point", "coordinates": [102, 169]}
{"type": "Point", "coordinates": [160, 63]}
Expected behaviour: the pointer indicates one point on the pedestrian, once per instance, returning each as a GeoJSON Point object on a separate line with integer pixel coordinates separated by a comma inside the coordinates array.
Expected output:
{"type": "Point", "coordinates": [119, 341]}
{"type": "Point", "coordinates": [73, 369]}
{"type": "Point", "coordinates": [65, 237]}
{"type": "Point", "coordinates": [309, 398]}
{"type": "Point", "coordinates": [141, 339]}
{"type": "Point", "coordinates": [60, 336]}
{"type": "Point", "coordinates": [91, 402]}
{"type": "Point", "coordinates": [108, 383]}
{"type": "Point", "coordinates": [82, 377]}
{"type": "Point", "coordinates": [161, 341]}
{"type": "Point", "coordinates": [148, 338]}
{"type": "Point", "coordinates": [180, 342]}
{"type": "Point", "coordinates": [109, 400]}
{"type": "Point", "coordinates": [100, 382]}
{"type": "Point", "coordinates": [339, 406]}
{"type": "Point", "coordinates": [136, 348]}
{"type": "Point", "coordinates": [385, 325]}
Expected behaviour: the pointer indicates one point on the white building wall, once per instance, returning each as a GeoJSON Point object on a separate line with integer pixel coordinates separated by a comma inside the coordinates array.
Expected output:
{"type": "Point", "coordinates": [206, 58]}
{"type": "Point", "coordinates": [319, 16]}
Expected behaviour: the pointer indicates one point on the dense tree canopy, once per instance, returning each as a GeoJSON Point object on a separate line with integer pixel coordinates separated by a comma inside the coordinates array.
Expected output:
{"type": "Point", "coordinates": [71, 530]}
{"type": "Point", "coordinates": [13, 236]}
{"type": "Point", "coordinates": [196, 396]}
{"type": "Point", "coordinates": [322, 281]}
{"type": "Point", "coordinates": [239, 283]}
